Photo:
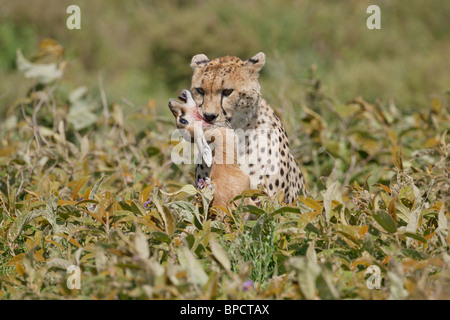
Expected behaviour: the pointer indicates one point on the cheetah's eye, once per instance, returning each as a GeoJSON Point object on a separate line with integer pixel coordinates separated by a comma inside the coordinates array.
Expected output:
{"type": "Point", "coordinates": [227, 92]}
{"type": "Point", "coordinates": [200, 91]}
{"type": "Point", "coordinates": [183, 121]}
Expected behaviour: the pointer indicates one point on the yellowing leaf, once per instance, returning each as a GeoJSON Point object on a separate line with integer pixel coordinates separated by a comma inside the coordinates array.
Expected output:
{"type": "Point", "coordinates": [38, 255]}
{"type": "Point", "coordinates": [385, 188]}
{"type": "Point", "coordinates": [189, 189]}
{"type": "Point", "coordinates": [311, 203]}
{"type": "Point", "coordinates": [20, 269]}
{"type": "Point", "coordinates": [363, 230]}
{"type": "Point", "coordinates": [327, 198]}
{"type": "Point", "coordinates": [392, 210]}
{"type": "Point", "coordinates": [143, 196]}
{"type": "Point", "coordinates": [78, 185]}
{"type": "Point", "coordinates": [15, 259]}
{"type": "Point", "coordinates": [362, 261]}
{"type": "Point", "coordinates": [306, 218]}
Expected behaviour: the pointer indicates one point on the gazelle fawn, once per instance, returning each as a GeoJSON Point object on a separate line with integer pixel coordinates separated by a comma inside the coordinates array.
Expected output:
{"type": "Point", "coordinates": [228, 178]}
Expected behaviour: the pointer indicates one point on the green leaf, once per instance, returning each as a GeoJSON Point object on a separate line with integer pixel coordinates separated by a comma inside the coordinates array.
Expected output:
{"type": "Point", "coordinates": [169, 220]}
{"type": "Point", "coordinates": [311, 228]}
{"type": "Point", "coordinates": [203, 236]}
{"type": "Point", "coordinates": [327, 199]}
{"type": "Point", "coordinates": [95, 187]}
{"type": "Point", "coordinates": [125, 206]}
{"type": "Point", "coordinates": [368, 244]}
{"type": "Point", "coordinates": [307, 273]}
{"type": "Point", "coordinates": [385, 220]}
{"type": "Point", "coordinates": [207, 197]}
{"type": "Point", "coordinates": [253, 209]}
{"type": "Point", "coordinates": [137, 208]}
{"type": "Point", "coordinates": [286, 209]}
{"type": "Point", "coordinates": [193, 268]}
{"type": "Point", "coordinates": [411, 253]}
{"type": "Point", "coordinates": [220, 254]}
{"type": "Point", "coordinates": [306, 218]}
{"type": "Point", "coordinates": [161, 237]}
{"type": "Point", "coordinates": [21, 221]}
{"type": "Point", "coordinates": [51, 210]}
{"type": "Point", "coordinates": [415, 236]}
{"type": "Point", "coordinates": [183, 209]}
{"type": "Point", "coordinates": [86, 201]}
{"type": "Point", "coordinates": [407, 196]}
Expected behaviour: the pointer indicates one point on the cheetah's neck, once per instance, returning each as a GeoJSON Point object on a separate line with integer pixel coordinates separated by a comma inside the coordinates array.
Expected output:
{"type": "Point", "coordinates": [259, 117]}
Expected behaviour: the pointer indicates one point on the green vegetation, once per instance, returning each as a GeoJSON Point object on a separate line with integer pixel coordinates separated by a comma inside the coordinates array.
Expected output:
{"type": "Point", "coordinates": [86, 176]}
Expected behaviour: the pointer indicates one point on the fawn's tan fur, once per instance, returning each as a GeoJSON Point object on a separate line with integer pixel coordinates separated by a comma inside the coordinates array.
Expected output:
{"type": "Point", "coordinates": [229, 179]}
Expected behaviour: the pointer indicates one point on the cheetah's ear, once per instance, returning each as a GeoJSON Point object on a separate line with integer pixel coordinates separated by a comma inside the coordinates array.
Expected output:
{"type": "Point", "coordinates": [199, 61]}
{"type": "Point", "coordinates": [257, 62]}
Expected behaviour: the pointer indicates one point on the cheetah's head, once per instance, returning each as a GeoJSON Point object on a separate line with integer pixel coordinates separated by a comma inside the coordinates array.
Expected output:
{"type": "Point", "coordinates": [227, 89]}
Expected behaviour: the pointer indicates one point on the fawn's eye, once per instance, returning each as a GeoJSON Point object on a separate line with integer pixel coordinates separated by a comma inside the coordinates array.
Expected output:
{"type": "Point", "coordinates": [227, 92]}
{"type": "Point", "coordinates": [183, 121]}
{"type": "Point", "coordinates": [200, 91]}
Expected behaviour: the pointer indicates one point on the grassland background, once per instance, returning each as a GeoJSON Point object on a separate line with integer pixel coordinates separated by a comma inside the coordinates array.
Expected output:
{"type": "Point", "coordinates": [366, 111]}
{"type": "Point", "coordinates": [143, 48]}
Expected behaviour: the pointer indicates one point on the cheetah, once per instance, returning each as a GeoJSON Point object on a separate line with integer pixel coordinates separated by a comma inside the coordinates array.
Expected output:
{"type": "Point", "coordinates": [227, 92]}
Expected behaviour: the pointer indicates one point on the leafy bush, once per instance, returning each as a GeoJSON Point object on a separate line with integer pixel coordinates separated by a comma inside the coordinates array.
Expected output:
{"type": "Point", "coordinates": [84, 183]}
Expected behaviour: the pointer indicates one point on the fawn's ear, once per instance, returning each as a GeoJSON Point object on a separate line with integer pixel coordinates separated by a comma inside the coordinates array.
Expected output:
{"type": "Point", "coordinates": [175, 107]}
{"type": "Point", "coordinates": [199, 61]}
{"type": "Point", "coordinates": [256, 62]}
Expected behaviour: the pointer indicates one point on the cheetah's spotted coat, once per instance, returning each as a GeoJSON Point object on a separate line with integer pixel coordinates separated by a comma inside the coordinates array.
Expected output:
{"type": "Point", "coordinates": [227, 90]}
